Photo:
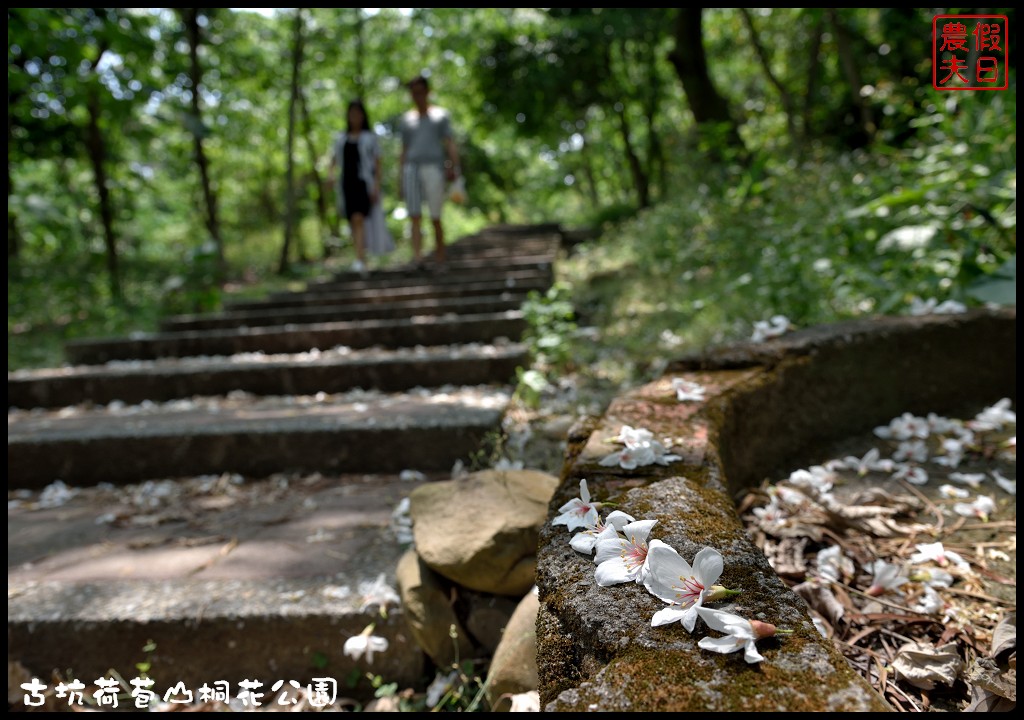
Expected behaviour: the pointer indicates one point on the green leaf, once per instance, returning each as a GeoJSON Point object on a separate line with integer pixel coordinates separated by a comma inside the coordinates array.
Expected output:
{"type": "Point", "coordinates": [1000, 287]}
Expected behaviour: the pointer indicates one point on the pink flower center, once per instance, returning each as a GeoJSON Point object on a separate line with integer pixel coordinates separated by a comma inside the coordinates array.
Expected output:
{"type": "Point", "coordinates": [691, 590]}
{"type": "Point", "coordinates": [634, 555]}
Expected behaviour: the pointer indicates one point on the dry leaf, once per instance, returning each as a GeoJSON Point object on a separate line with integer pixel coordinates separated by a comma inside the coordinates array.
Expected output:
{"type": "Point", "coordinates": [922, 665]}
{"type": "Point", "coordinates": [983, 700]}
{"type": "Point", "coordinates": [787, 557]}
{"type": "Point", "coordinates": [1004, 637]}
{"type": "Point", "coordinates": [822, 600]}
{"type": "Point", "coordinates": [984, 673]}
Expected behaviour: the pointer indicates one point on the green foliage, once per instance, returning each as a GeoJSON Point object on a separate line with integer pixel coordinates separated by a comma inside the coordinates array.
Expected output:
{"type": "Point", "coordinates": [840, 235]}
{"type": "Point", "coordinates": [550, 318]}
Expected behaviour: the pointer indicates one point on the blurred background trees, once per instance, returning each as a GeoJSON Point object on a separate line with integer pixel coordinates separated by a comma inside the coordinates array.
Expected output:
{"type": "Point", "coordinates": [155, 155]}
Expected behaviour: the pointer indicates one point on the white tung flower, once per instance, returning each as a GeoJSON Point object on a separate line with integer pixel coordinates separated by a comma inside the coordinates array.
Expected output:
{"type": "Point", "coordinates": [930, 603]}
{"type": "Point", "coordinates": [913, 474]}
{"type": "Point", "coordinates": [935, 552]}
{"type": "Point", "coordinates": [1009, 486]}
{"type": "Point", "coordinates": [818, 479]}
{"type": "Point", "coordinates": [688, 391]}
{"type": "Point", "coordinates": [584, 542]}
{"type": "Point", "coordinates": [982, 507]}
{"type": "Point", "coordinates": [886, 577]}
{"type": "Point", "coordinates": [765, 329]}
{"type": "Point", "coordinates": [994, 417]}
{"type": "Point", "coordinates": [974, 480]}
{"type": "Point", "coordinates": [951, 491]}
{"type": "Point", "coordinates": [904, 427]}
{"type": "Point", "coordinates": [740, 634]}
{"type": "Point", "coordinates": [913, 450]}
{"type": "Point", "coordinates": [872, 461]}
{"type": "Point", "coordinates": [578, 512]}
{"type": "Point", "coordinates": [366, 643]}
{"type": "Point", "coordinates": [622, 559]}
{"type": "Point", "coordinates": [640, 449]}
{"type": "Point", "coordinates": [833, 565]}
{"type": "Point", "coordinates": [683, 587]}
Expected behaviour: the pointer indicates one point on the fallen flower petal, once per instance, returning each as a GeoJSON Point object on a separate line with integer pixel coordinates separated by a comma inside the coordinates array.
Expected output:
{"type": "Point", "coordinates": [622, 559]}
{"type": "Point", "coordinates": [366, 643]}
{"type": "Point", "coordinates": [1006, 484]}
{"type": "Point", "coordinates": [887, 576]}
{"type": "Point", "coordinates": [741, 634]}
{"type": "Point", "coordinates": [670, 578]}
{"type": "Point", "coordinates": [578, 512]}
{"type": "Point", "coordinates": [937, 553]}
{"type": "Point", "coordinates": [982, 507]}
{"type": "Point", "coordinates": [688, 391]}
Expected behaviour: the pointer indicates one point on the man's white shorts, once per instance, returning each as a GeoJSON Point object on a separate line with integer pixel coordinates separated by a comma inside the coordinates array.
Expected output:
{"type": "Point", "coordinates": [423, 183]}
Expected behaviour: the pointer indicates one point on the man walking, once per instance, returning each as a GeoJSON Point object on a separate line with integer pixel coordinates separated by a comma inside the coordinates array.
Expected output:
{"type": "Point", "coordinates": [429, 158]}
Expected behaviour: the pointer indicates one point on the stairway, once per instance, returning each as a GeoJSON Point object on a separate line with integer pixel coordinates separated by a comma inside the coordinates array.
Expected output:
{"type": "Point", "coordinates": [232, 476]}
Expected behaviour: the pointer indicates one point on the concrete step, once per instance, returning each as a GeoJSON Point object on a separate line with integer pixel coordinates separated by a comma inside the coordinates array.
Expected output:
{"type": "Point", "coordinates": [389, 295]}
{"type": "Point", "coordinates": [419, 278]}
{"type": "Point", "coordinates": [425, 330]}
{"type": "Point", "coordinates": [458, 269]}
{"type": "Point", "coordinates": [352, 432]}
{"type": "Point", "coordinates": [329, 371]}
{"type": "Point", "coordinates": [229, 578]}
{"type": "Point", "coordinates": [344, 312]}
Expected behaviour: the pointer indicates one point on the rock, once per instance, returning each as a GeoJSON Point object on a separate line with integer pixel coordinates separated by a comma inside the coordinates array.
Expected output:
{"type": "Point", "coordinates": [514, 666]}
{"type": "Point", "coordinates": [425, 601]}
{"type": "Point", "coordinates": [480, 531]}
{"type": "Point", "coordinates": [487, 617]}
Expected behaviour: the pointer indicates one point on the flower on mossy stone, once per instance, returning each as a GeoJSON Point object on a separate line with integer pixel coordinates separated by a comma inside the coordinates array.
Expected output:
{"type": "Point", "coordinates": [740, 634]}
{"type": "Point", "coordinates": [585, 541]}
{"type": "Point", "coordinates": [622, 559]}
{"type": "Point", "coordinates": [640, 449]}
{"type": "Point", "coordinates": [685, 588]}
{"type": "Point", "coordinates": [578, 512]}
{"type": "Point", "coordinates": [688, 391]}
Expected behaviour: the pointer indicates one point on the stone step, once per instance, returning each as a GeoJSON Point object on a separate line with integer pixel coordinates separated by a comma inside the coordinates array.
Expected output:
{"type": "Point", "coordinates": [329, 371]}
{"type": "Point", "coordinates": [343, 312]}
{"type": "Point", "coordinates": [229, 579]}
{"type": "Point", "coordinates": [353, 432]}
{"type": "Point", "coordinates": [418, 278]}
{"type": "Point", "coordinates": [459, 269]}
{"type": "Point", "coordinates": [389, 295]}
{"type": "Point", "coordinates": [425, 330]}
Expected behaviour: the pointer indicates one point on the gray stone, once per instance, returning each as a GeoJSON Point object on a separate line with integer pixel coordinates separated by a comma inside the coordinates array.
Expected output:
{"type": "Point", "coordinates": [514, 666]}
{"type": "Point", "coordinates": [487, 617]}
{"type": "Point", "coordinates": [427, 609]}
{"type": "Point", "coordinates": [480, 531]}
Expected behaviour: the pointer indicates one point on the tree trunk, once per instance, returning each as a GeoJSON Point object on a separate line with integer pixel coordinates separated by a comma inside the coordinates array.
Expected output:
{"type": "Point", "coordinates": [813, 75]}
{"type": "Point", "coordinates": [359, 80]}
{"type": "Point", "coordinates": [328, 221]}
{"type": "Point", "coordinates": [588, 173]}
{"type": "Point", "coordinates": [655, 152]}
{"type": "Point", "coordinates": [194, 34]}
{"type": "Point", "coordinates": [788, 106]}
{"type": "Point", "coordinates": [852, 72]}
{"type": "Point", "coordinates": [13, 237]}
{"type": "Point", "coordinates": [636, 168]}
{"type": "Point", "coordinates": [709, 108]}
{"type": "Point", "coordinates": [97, 150]}
{"type": "Point", "coordinates": [293, 101]}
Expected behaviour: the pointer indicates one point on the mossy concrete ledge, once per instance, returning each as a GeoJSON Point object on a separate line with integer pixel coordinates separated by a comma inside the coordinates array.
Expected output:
{"type": "Point", "coordinates": [767, 404]}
